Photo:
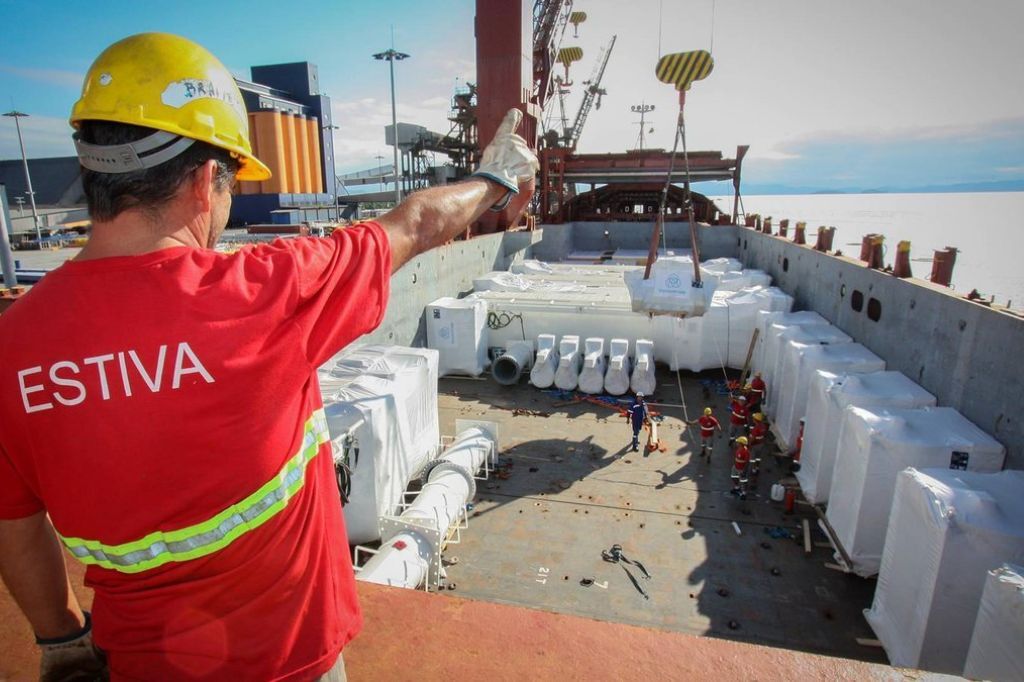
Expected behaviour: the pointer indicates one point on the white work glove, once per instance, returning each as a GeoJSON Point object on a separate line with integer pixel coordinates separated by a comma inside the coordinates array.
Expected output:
{"type": "Point", "coordinates": [508, 160]}
{"type": "Point", "coordinates": [73, 658]}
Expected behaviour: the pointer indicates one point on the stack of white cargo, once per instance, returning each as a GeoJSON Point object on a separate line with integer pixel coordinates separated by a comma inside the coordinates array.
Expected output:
{"type": "Point", "coordinates": [875, 445]}
{"type": "Point", "coordinates": [670, 289]}
{"type": "Point", "coordinates": [801, 361]}
{"type": "Point", "coordinates": [947, 530]}
{"type": "Point", "coordinates": [457, 329]}
{"type": "Point", "coordinates": [744, 309]}
{"type": "Point", "coordinates": [997, 645]}
{"type": "Point", "coordinates": [385, 399]}
{"type": "Point", "coordinates": [795, 338]}
{"type": "Point", "coordinates": [771, 326]}
{"type": "Point", "coordinates": [830, 394]}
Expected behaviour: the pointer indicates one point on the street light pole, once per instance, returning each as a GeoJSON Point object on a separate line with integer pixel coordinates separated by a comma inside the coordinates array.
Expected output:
{"type": "Point", "coordinates": [334, 174]}
{"type": "Point", "coordinates": [28, 178]}
{"type": "Point", "coordinates": [391, 55]}
{"type": "Point", "coordinates": [642, 109]}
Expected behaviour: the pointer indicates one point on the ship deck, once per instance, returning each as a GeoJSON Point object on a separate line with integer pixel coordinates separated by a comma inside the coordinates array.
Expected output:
{"type": "Point", "coordinates": [574, 488]}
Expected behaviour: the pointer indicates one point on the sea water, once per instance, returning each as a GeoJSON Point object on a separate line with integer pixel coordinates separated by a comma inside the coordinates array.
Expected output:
{"type": "Point", "coordinates": [987, 228]}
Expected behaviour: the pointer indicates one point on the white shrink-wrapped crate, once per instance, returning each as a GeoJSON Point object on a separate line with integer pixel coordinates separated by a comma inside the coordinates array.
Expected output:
{"type": "Point", "coordinates": [801, 361]}
{"type": "Point", "coordinates": [875, 445]}
{"type": "Point", "coordinates": [457, 329]}
{"type": "Point", "coordinates": [947, 530]}
{"type": "Point", "coordinates": [744, 309]}
{"type": "Point", "coordinates": [771, 326]}
{"type": "Point", "coordinates": [775, 377]}
{"type": "Point", "coordinates": [997, 646]}
{"type": "Point", "coordinates": [670, 289]}
{"type": "Point", "coordinates": [616, 377]}
{"type": "Point", "coordinates": [385, 397]}
{"type": "Point", "coordinates": [829, 395]}
{"type": "Point", "coordinates": [642, 380]}
{"type": "Point", "coordinates": [542, 374]}
{"type": "Point", "coordinates": [592, 374]}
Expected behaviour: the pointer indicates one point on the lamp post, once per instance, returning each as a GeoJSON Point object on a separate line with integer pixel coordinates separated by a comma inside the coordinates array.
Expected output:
{"type": "Point", "coordinates": [641, 109]}
{"type": "Point", "coordinates": [28, 178]}
{"type": "Point", "coordinates": [334, 174]}
{"type": "Point", "coordinates": [391, 55]}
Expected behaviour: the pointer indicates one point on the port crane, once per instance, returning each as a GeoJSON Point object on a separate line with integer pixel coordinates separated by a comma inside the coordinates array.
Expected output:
{"type": "Point", "coordinates": [591, 97]}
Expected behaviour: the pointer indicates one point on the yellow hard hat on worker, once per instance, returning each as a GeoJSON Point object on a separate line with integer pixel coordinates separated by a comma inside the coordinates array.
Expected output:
{"type": "Point", "coordinates": [742, 440]}
{"type": "Point", "coordinates": [758, 417]}
{"type": "Point", "coordinates": [707, 410]}
{"type": "Point", "coordinates": [168, 83]}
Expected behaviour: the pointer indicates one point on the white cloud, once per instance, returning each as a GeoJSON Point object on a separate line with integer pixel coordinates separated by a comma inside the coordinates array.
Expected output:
{"type": "Point", "coordinates": [58, 77]}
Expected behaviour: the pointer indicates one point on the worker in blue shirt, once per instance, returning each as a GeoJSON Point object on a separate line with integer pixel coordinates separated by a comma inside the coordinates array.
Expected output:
{"type": "Point", "coordinates": [638, 415]}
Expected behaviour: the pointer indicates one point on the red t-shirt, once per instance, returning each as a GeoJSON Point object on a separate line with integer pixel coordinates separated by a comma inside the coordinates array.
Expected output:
{"type": "Point", "coordinates": [758, 433]}
{"type": "Point", "coordinates": [757, 389]}
{"type": "Point", "coordinates": [742, 456]}
{"type": "Point", "coordinates": [708, 424]}
{"type": "Point", "coordinates": [170, 401]}
{"type": "Point", "coordinates": [739, 413]}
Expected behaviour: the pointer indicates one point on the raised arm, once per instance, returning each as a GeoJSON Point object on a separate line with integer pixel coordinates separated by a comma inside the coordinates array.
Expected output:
{"type": "Point", "coordinates": [434, 216]}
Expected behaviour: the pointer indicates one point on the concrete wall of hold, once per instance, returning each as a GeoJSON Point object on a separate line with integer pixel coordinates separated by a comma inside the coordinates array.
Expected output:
{"type": "Point", "coordinates": [964, 353]}
{"type": "Point", "coordinates": [560, 240]}
{"type": "Point", "coordinates": [445, 271]}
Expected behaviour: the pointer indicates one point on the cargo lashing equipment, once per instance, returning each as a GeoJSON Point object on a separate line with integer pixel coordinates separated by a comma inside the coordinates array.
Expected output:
{"type": "Point", "coordinates": [615, 556]}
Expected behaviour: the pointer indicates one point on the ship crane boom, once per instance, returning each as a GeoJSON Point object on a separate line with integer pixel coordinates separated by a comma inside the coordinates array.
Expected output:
{"type": "Point", "coordinates": [591, 95]}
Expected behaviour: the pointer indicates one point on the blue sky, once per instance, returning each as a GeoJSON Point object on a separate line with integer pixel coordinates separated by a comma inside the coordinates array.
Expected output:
{"type": "Point", "coordinates": [828, 93]}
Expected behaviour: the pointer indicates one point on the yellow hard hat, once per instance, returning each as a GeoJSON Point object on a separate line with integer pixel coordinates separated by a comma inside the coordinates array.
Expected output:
{"type": "Point", "coordinates": [707, 410]}
{"type": "Point", "coordinates": [168, 83]}
{"type": "Point", "coordinates": [742, 440]}
{"type": "Point", "coordinates": [747, 387]}
{"type": "Point", "coordinates": [758, 417]}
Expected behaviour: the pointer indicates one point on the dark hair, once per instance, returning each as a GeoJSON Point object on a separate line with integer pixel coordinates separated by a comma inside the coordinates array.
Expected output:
{"type": "Point", "coordinates": [110, 194]}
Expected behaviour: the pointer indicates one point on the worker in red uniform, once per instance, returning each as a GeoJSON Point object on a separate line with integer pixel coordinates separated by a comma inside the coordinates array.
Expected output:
{"type": "Point", "coordinates": [159, 403]}
{"type": "Point", "coordinates": [741, 468]}
{"type": "Point", "coordinates": [738, 414]}
{"type": "Point", "coordinates": [757, 393]}
{"type": "Point", "coordinates": [758, 436]}
{"type": "Point", "coordinates": [708, 425]}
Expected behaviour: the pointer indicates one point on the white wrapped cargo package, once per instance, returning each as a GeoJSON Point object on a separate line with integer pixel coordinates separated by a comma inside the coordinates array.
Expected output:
{"type": "Point", "coordinates": [570, 362]}
{"type": "Point", "coordinates": [997, 646]}
{"type": "Point", "coordinates": [744, 309]}
{"type": "Point", "coordinates": [829, 395]}
{"type": "Point", "coordinates": [802, 360]}
{"type": "Point", "coordinates": [771, 326]}
{"type": "Point", "coordinates": [875, 445]}
{"type": "Point", "coordinates": [386, 398]}
{"type": "Point", "coordinates": [775, 377]}
{"type": "Point", "coordinates": [721, 265]}
{"type": "Point", "coordinates": [457, 329]}
{"type": "Point", "coordinates": [542, 375]}
{"type": "Point", "coordinates": [591, 379]}
{"type": "Point", "coordinates": [616, 377]}
{"type": "Point", "coordinates": [947, 530]}
{"type": "Point", "coordinates": [642, 380]}
{"type": "Point", "coordinates": [670, 290]}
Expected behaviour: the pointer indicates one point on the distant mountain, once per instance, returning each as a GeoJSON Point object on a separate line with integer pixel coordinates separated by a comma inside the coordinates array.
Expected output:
{"type": "Point", "coordinates": [754, 188]}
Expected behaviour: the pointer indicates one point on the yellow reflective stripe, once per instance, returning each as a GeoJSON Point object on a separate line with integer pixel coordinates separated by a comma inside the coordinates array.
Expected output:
{"type": "Point", "coordinates": [207, 537]}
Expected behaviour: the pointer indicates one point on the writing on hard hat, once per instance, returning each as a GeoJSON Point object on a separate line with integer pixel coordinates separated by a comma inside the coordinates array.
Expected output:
{"type": "Point", "coordinates": [707, 410]}
{"type": "Point", "coordinates": [758, 417]}
{"type": "Point", "coordinates": [172, 85]}
{"type": "Point", "coordinates": [742, 440]}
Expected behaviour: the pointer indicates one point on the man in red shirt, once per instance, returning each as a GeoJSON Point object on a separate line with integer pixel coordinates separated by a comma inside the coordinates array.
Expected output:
{"type": "Point", "coordinates": [708, 426]}
{"type": "Point", "coordinates": [756, 393]}
{"type": "Point", "coordinates": [758, 435]}
{"type": "Point", "coordinates": [159, 408]}
{"type": "Point", "coordinates": [740, 468]}
{"type": "Point", "coordinates": [738, 414]}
